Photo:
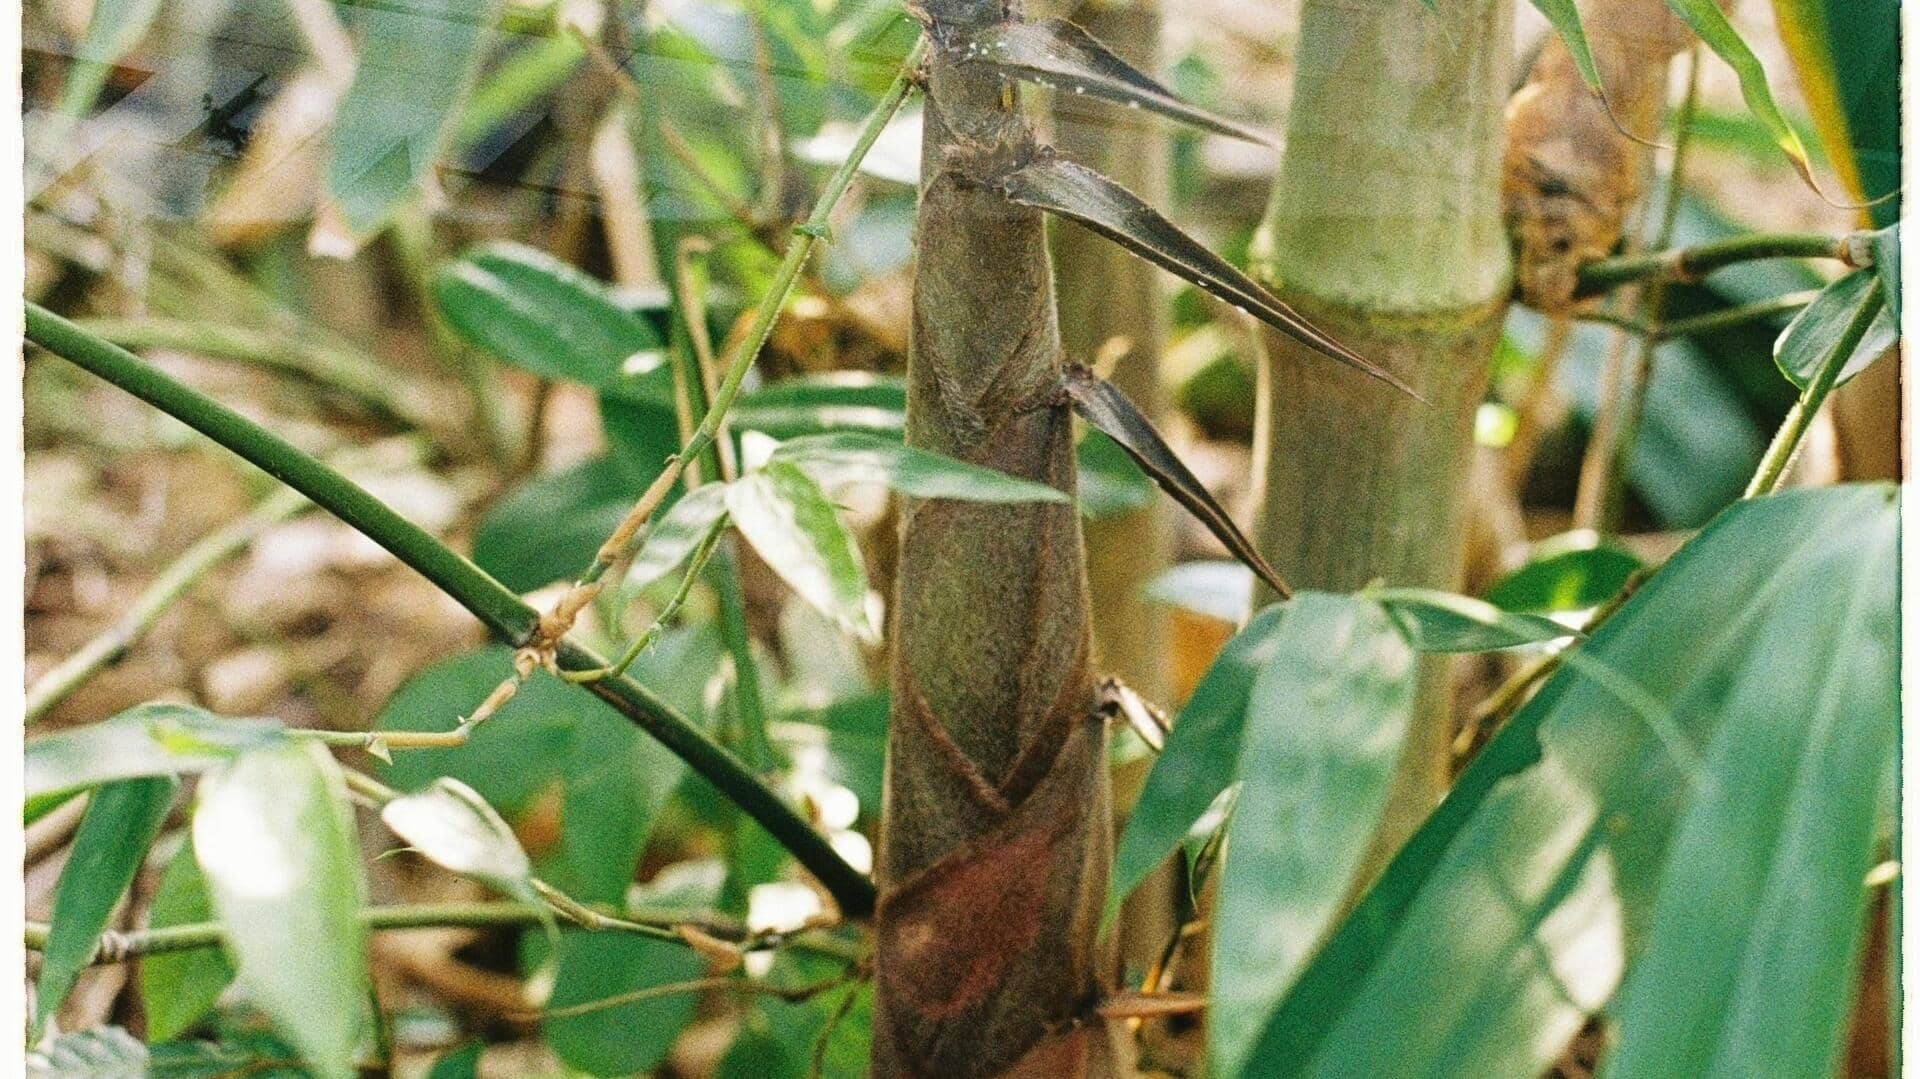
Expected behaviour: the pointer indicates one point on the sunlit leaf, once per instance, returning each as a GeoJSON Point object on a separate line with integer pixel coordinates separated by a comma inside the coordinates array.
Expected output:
{"type": "Point", "coordinates": [416, 64]}
{"type": "Point", "coordinates": [798, 532]}
{"type": "Point", "coordinates": [1512, 914]}
{"type": "Point", "coordinates": [178, 988]}
{"type": "Point", "coordinates": [676, 533]}
{"type": "Point", "coordinates": [1058, 54]}
{"type": "Point", "coordinates": [856, 457]}
{"type": "Point", "coordinates": [115, 28]}
{"type": "Point", "coordinates": [275, 838]}
{"type": "Point", "coordinates": [1080, 194]}
{"type": "Point", "coordinates": [1435, 621]}
{"type": "Point", "coordinates": [456, 829]}
{"type": "Point", "coordinates": [1102, 405]}
{"type": "Point", "coordinates": [148, 740]}
{"type": "Point", "coordinates": [1710, 23]}
{"type": "Point", "coordinates": [120, 823]}
{"type": "Point", "coordinates": [1847, 56]}
{"type": "Point", "coordinates": [1571, 572]}
{"type": "Point", "coordinates": [1326, 721]}
{"type": "Point", "coordinates": [627, 1038]}
{"type": "Point", "coordinates": [1812, 335]}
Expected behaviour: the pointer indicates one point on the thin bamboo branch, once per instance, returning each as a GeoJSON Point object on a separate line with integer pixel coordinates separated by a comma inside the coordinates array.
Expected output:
{"type": "Point", "coordinates": [1693, 263]}
{"type": "Point", "coordinates": [499, 610]}
{"type": "Point", "coordinates": [1786, 442]}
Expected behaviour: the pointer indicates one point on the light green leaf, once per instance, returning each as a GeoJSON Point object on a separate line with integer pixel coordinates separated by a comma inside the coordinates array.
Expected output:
{"type": "Point", "coordinates": [677, 532]}
{"type": "Point", "coordinates": [1710, 23]}
{"type": "Point", "coordinates": [275, 838]}
{"type": "Point", "coordinates": [1510, 917]}
{"type": "Point", "coordinates": [1565, 18]}
{"type": "Point", "coordinates": [814, 404]}
{"type": "Point", "coordinates": [1201, 758]}
{"type": "Point", "coordinates": [856, 457]}
{"type": "Point", "coordinates": [627, 1038]}
{"type": "Point", "coordinates": [417, 62]}
{"type": "Point", "coordinates": [1570, 572]}
{"type": "Point", "coordinates": [1326, 723]}
{"type": "Point", "coordinates": [1886, 264]}
{"type": "Point", "coordinates": [148, 740]}
{"type": "Point", "coordinates": [120, 823]}
{"type": "Point", "coordinates": [1436, 621]}
{"type": "Point", "coordinates": [457, 830]}
{"type": "Point", "coordinates": [116, 27]}
{"type": "Point", "coordinates": [1219, 588]}
{"type": "Point", "coordinates": [787, 518]}
{"type": "Point", "coordinates": [178, 988]}
{"type": "Point", "coordinates": [1808, 340]}
{"type": "Point", "coordinates": [541, 315]}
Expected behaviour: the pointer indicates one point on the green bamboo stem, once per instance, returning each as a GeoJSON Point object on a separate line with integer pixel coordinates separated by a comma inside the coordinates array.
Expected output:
{"type": "Point", "coordinates": [1773, 466]}
{"type": "Point", "coordinates": [1693, 263]}
{"type": "Point", "coordinates": [1710, 322]}
{"type": "Point", "coordinates": [174, 582]}
{"type": "Point", "coordinates": [498, 609]}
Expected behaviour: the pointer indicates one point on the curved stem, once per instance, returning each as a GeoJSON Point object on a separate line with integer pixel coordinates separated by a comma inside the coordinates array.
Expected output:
{"type": "Point", "coordinates": [1691, 263]}
{"type": "Point", "coordinates": [1773, 466]}
{"type": "Point", "coordinates": [498, 609]}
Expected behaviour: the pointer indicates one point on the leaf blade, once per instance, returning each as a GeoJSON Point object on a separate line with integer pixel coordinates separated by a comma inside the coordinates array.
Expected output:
{"type": "Point", "coordinates": [178, 988]}
{"type": "Point", "coordinates": [1804, 346]}
{"type": "Point", "coordinates": [790, 522]}
{"type": "Point", "coordinates": [857, 457]}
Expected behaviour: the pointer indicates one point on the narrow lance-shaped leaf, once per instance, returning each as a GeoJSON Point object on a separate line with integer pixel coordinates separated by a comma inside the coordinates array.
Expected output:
{"type": "Point", "coordinates": [1103, 405]}
{"type": "Point", "coordinates": [456, 829]}
{"type": "Point", "coordinates": [1080, 194]}
{"type": "Point", "coordinates": [178, 988]}
{"type": "Point", "coordinates": [1565, 18]}
{"type": "Point", "coordinates": [1885, 245]}
{"type": "Point", "coordinates": [1711, 24]}
{"type": "Point", "coordinates": [120, 823]}
{"type": "Point", "coordinates": [1058, 54]}
{"type": "Point", "coordinates": [857, 457]}
{"type": "Point", "coordinates": [1437, 621]}
{"type": "Point", "coordinates": [790, 522]}
{"type": "Point", "coordinates": [276, 842]}
{"type": "Point", "coordinates": [677, 532]}
{"type": "Point", "coordinates": [1804, 346]}
{"type": "Point", "coordinates": [147, 740]}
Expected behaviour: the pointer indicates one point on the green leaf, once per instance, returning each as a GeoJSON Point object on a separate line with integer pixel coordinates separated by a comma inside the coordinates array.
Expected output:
{"type": "Point", "coordinates": [1110, 482]}
{"type": "Point", "coordinates": [550, 527]}
{"type": "Point", "coordinates": [116, 27]}
{"type": "Point", "coordinates": [120, 823]}
{"type": "Point", "coordinates": [416, 63]}
{"type": "Point", "coordinates": [1058, 54]}
{"type": "Point", "coordinates": [778, 1038]}
{"type": "Point", "coordinates": [677, 532]}
{"type": "Point", "coordinates": [1217, 588]}
{"type": "Point", "coordinates": [457, 830]}
{"type": "Point", "coordinates": [856, 737]}
{"type": "Point", "coordinates": [1710, 23]}
{"type": "Point", "coordinates": [1080, 194]}
{"type": "Point", "coordinates": [542, 315]}
{"type": "Point", "coordinates": [627, 1038]}
{"type": "Point", "coordinates": [790, 522]}
{"type": "Point", "coordinates": [1510, 916]}
{"type": "Point", "coordinates": [1436, 621]}
{"type": "Point", "coordinates": [1570, 572]}
{"type": "Point", "coordinates": [1809, 339]}
{"type": "Point", "coordinates": [1565, 18]}
{"type": "Point", "coordinates": [147, 740]}
{"type": "Point", "coordinates": [520, 80]}
{"type": "Point", "coordinates": [813, 404]}
{"type": "Point", "coordinates": [459, 1063]}
{"type": "Point", "coordinates": [112, 1053]}
{"type": "Point", "coordinates": [178, 988]}
{"type": "Point", "coordinates": [1201, 758]}
{"type": "Point", "coordinates": [856, 457]}
{"type": "Point", "coordinates": [1326, 722]}
{"type": "Point", "coordinates": [509, 759]}
{"type": "Point", "coordinates": [1847, 56]}
{"type": "Point", "coordinates": [1886, 264]}
{"type": "Point", "coordinates": [275, 838]}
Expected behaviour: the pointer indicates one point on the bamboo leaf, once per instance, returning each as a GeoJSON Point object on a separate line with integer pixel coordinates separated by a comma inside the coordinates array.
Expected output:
{"type": "Point", "coordinates": [1060, 55]}
{"type": "Point", "coordinates": [1710, 23]}
{"type": "Point", "coordinates": [417, 62]}
{"type": "Point", "coordinates": [149, 740]}
{"type": "Point", "coordinates": [814, 404]}
{"type": "Point", "coordinates": [1847, 56]}
{"type": "Point", "coordinates": [120, 823]}
{"type": "Point", "coordinates": [456, 829]}
{"type": "Point", "coordinates": [677, 532]}
{"type": "Point", "coordinates": [178, 988]}
{"type": "Point", "coordinates": [1803, 347]}
{"type": "Point", "coordinates": [790, 522]}
{"type": "Point", "coordinates": [112, 1053]}
{"type": "Point", "coordinates": [549, 528]}
{"type": "Point", "coordinates": [1435, 621]}
{"type": "Point", "coordinates": [857, 457]}
{"type": "Point", "coordinates": [628, 1038]}
{"type": "Point", "coordinates": [1571, 572]}
{"type": "Point", "coordinates": [275, 839]}
{"type": "Point", "coordinates": [1103, 405]}
{"type": "Point", "coordinates": [1885, 245]}
{"type": "Point", "coordinates": [115, 28]}
{"type": "Point", "coordinates": [542, 315]}
{"type": "Point", "coordinates": [1512, 914]}
{"type": "Point", "coordinates": [1326, 720]}
{"type": "Point", "coordinates": [1080, 194]}
{"type": "Point", "coordinates": [1565, 18]}
{"type": "Point", "coordinates": [462, 1062]}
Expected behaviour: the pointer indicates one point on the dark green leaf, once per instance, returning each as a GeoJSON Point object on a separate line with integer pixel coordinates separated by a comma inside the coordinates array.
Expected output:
{"type": "Point", "coordinates": [1062, 56]}
{"type": "Point", "coordinates": [1102, 404]}
{"type": "Point", "coordinates": [792, 525]}
{"type": "Point", "coordinates": [631, 1037]}
{"type": "Point", "coordinates": [1080, 194]}
{"type": "Point", "coordinates": [814, 404]}
{"type": "Point", "coordinates": [148, 740]}
{"type": "Point", "coordinates": [275, 838]}
{"type": "Point", "coordinates": [120, 823]}
{"type": "Point", "coordinates": [1443, 622]}
{"type": "Point", "coordinates": [115, 28]}
{"type": "Point", "coordinates": [1847, 55]}
{"type": "Point", "coordinates": [1110, 483]}
{"type": "Point", "coordinates": [1201, 758]}
{"type": "Point", "coordinates": [1571, 572]}
{"type": "Point", "coordinates": [178, 988]}
{"type": "Point", "coordinates": [1812, 335]}
{"type": "Point", "coordinates": [542, 315]}
{"type": "Point", "coordinates": [778, 1038]}
{"type": "Point", "coordinates": [460, 1063]}
{"type": "Point", "coordinates": [550, 527]}
{"type": "Point", "coordinates": [856, 737]}
{"type": "Point", "coordinates": [1326, 723]}
{"type": "Point", "coordinates": [857, 457]}
{"type": "Point", "coordinates": [1509, 917]}
{"type": "Point", "coordinates": [415, 66]}
{"type": "Point", "coordinates": [456, 829]}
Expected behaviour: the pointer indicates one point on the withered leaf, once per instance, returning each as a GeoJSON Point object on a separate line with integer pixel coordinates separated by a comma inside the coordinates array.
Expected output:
{"type": "Point", "coordinates": [1073, 191]}
{"type": "Point", "coordinates": [1061, 55]}
{"type": "Point", "coordinates": [1102, 404]}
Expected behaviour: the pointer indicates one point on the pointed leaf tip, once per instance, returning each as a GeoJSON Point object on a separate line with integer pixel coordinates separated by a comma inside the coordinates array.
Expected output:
{"type": "Point", "coordinates": [1062, 55]}
{"type": "Point", "coordinates": [1080, 194]}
